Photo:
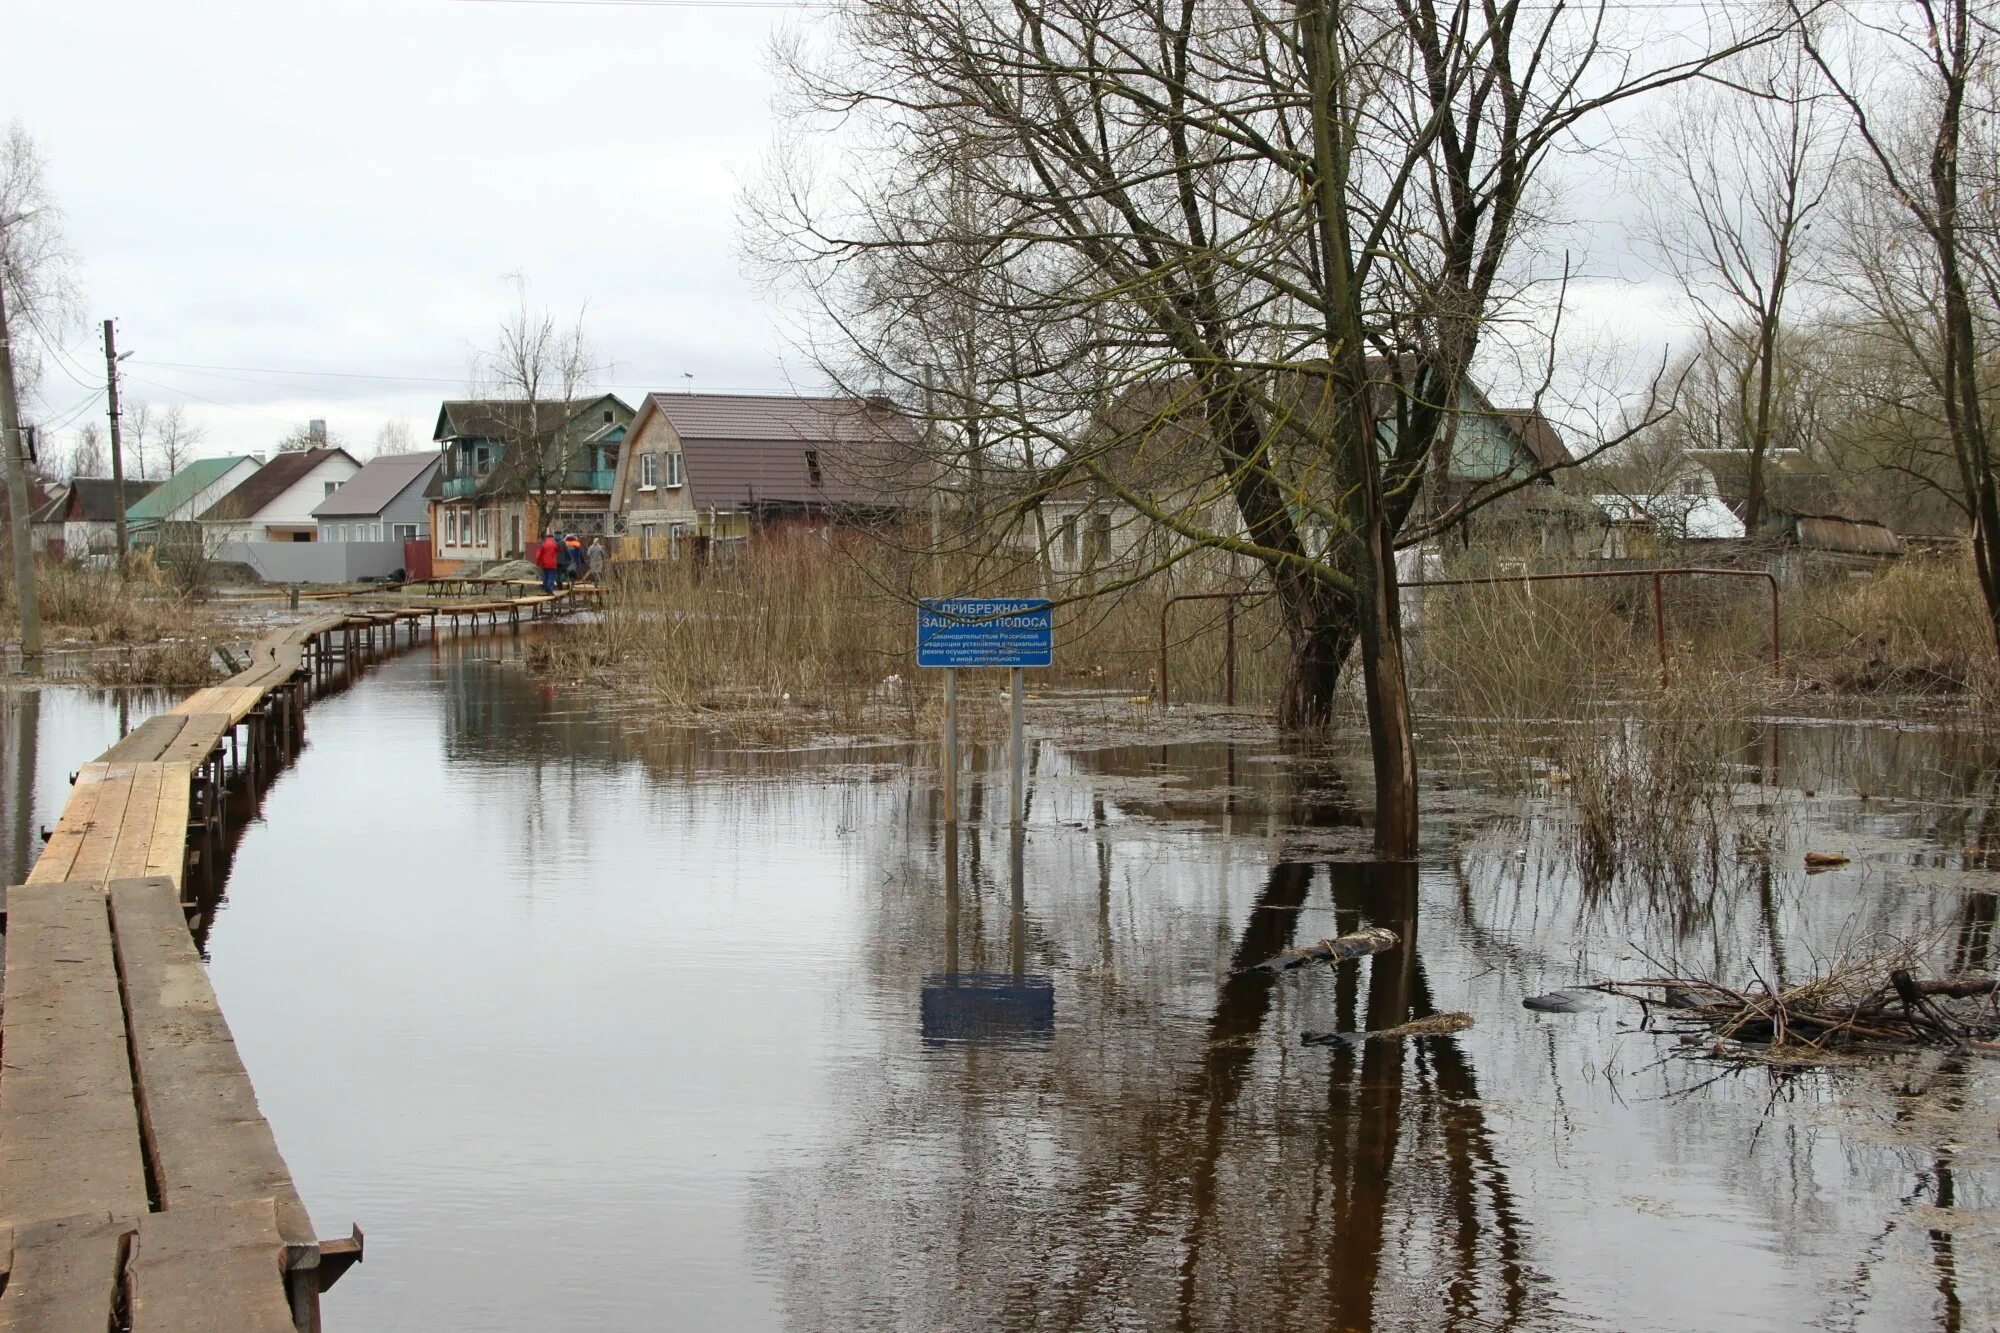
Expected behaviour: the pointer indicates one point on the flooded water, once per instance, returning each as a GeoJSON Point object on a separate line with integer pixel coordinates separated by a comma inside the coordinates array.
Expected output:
{"type": "Point", "coordinates": [593, 1026]}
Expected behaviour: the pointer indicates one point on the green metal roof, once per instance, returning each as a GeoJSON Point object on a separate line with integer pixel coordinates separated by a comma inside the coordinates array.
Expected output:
{"type": "Point", "coordinates": [181, 488]}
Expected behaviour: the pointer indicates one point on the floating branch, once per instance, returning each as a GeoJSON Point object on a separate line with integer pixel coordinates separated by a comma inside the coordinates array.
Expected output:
{"type": "Point", "coordinates": [1339, 950]}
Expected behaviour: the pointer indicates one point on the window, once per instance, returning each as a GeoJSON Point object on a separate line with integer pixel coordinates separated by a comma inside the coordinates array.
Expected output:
{"type": "Point", "coordinates": [675, 475]}
{"type": "Point", "coordinates": [675, 531]}
{"type": "Point", "coordinates": [484, 528]}
{"type": "Point", "coordinates": [405, 532]}
{"type": "Point", "coordinates": [646, 541]}
{"type": "Point", "coordinates": [1069, 540]}
{"type": "Point", "coordinates": [1100, 537]}
{"type": "Point", "coordinates": [812, 466]}
{"type": "Point", "coordinates": [331, 487]}
{"type": "Point", "coordinates": [482, 460]}
{"type": "Point", "coordinates": [649, 470]}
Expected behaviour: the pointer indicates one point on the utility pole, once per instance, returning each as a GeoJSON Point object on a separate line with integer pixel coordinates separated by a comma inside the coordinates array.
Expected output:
{"type": "Point", "coordinates": [13, 444]}
{"type": "Point", "coordinates": [117, 457]}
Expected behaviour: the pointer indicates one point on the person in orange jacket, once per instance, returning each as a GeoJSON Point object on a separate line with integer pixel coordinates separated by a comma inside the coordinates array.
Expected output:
{"type": "Point", "coordinates": [547, 556]}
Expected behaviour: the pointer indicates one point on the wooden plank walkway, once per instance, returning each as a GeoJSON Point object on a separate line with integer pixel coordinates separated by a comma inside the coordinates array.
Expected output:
{"type": "Point", "coordinates": [137, 1173]}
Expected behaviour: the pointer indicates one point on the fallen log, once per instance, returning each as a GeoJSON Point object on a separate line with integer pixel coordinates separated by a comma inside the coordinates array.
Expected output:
{"type": "Point", "coordinates": [1341, 949]}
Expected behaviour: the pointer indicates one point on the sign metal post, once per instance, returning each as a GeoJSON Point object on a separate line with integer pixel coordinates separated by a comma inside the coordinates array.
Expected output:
{"type": "Point", "coordinates": [951, 747]}
{"type": "Point", "coordinates": [1017, 788]}
{"type": "Point", "coordinates": [1010, 632]}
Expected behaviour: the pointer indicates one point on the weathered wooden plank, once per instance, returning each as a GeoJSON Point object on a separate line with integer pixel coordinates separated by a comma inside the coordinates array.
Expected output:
{"type": "Point", "coordinates": [69, 1133]}
{"type": "Point", "coordinates": [204, 731]}
{"type": "Point", "coordinates": [134, 837]}
{"type": "Point", "coordinates": [59, 852]}
{"type": "Point", "coordinates": [114, 794]}
{"type": "Point", "coordinates": [166, 853]}
{"type": "Point", "coordinates": [146, 741]}
{"type": "Point", "coordinates": [65, 1276]}
{"type": "Point", "coordinates": [216, 1268]}
{"type": "Point", "coordinates": [209, 1142]}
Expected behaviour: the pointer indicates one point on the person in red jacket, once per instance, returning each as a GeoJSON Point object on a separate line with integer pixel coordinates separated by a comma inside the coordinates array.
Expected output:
{"type": "Point", "coordinates": [547, 556]}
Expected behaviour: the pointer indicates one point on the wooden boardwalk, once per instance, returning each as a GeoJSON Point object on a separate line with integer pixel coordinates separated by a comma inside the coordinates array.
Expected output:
{"type": "Point", "coordinates": [140, 1186]}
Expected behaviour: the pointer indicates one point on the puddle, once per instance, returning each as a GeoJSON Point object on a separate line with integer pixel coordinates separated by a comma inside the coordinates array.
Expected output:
{"type": "Point", "coordinates": [592, 1025]}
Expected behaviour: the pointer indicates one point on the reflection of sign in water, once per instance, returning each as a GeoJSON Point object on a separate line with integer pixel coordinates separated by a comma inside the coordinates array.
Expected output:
{"type": "Point", "coordinates": [985, 632]}
{"type": "Point", "coordinates": [977, 1007]}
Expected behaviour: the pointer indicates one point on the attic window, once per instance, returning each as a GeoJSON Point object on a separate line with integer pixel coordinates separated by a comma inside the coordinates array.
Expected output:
{"type": "Point", "coordinates": [812, 466]}
{"type": "Point", "coordinates": [607, 416]}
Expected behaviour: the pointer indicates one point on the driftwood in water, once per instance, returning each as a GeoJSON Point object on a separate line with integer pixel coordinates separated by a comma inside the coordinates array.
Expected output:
{"type": "Point", "coordinates": [1340, 950]}
{"type": "Point", "coordinates": [1436, 1025]}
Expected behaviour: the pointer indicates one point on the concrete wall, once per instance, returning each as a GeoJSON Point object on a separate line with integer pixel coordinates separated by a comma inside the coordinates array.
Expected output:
{"type": "Point", "coordinates": [314, 562]}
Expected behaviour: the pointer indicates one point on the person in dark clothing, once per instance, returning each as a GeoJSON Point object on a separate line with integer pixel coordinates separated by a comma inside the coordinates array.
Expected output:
{"type": "Point", "coordinates": [573, 558]}
{"type": "Point", "coordinates": [548, 556]}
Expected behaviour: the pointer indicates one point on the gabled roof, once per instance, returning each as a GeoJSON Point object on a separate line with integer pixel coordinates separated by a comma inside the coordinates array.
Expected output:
{"type": "Point", "coordinates": [1538, 435]}
{"type": "Point", "coordinates": [182, 487]}
{"type": "Point", "coordinates": [90, 500]}
{"type": "Point", "coordinates": [510, 418]}
{"type": "Point", "coordinates": [269, 482]}
{"type": "Point", "coordinates": [1689, 517]}
{"type": "Point", "coordinates": [752, 449]}
{"type": "Point", "coordinates": [377, 484]}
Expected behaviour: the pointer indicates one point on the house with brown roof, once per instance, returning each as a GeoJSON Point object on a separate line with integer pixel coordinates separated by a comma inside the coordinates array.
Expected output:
{"type": "Point", "coordinates": [722, 466]}
{"type": "Point", "coordinates": [1154, 441]}
{"type": "Point", "coordinates": [276, 502]}
{"type": "Point", "coordinates": [81, 517]}
{"type": "Point", "coordinates": [510, 469]}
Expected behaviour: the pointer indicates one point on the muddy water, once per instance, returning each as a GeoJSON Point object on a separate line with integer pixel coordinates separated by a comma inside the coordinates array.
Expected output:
{"type": "Point", "coordinates": [592, 1028]}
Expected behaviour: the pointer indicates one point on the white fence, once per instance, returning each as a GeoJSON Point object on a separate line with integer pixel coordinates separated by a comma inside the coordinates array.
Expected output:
{"type": "Point", "coordinates": [314, 562]}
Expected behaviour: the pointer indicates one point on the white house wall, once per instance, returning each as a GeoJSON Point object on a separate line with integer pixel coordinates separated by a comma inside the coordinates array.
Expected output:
{"type": "Point", "coordinates": [206, 498]}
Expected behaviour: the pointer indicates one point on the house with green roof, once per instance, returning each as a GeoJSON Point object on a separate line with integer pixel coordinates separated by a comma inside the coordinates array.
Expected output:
{"type": "Point", "coordinates": [184, 496]}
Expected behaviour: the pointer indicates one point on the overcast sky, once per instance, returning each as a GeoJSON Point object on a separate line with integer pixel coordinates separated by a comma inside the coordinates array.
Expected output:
{"type": "Point", "coordinates": [259, 186]}
{"type": "Point", "coordinates": [309, 208]}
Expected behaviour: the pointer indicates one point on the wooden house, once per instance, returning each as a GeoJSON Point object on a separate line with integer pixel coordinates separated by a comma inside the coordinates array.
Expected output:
{"type": "Point", "coordinates": [509, 470]}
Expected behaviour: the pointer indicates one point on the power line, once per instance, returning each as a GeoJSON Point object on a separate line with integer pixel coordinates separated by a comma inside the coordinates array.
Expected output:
{"type": "Point", "coordinates": [216, 402]}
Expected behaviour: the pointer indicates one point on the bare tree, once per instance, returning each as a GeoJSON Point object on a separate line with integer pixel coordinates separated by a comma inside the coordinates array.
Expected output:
{"type": "Point", "coordinates": [1749, 163]}
{"type": "Point", "coordinates": [394, 438]}
{"type": "Point", "coordinates": [538, 369]}
{"type": "Point", "coordinates": [1918, 83]}
{"type": "Point", "coordinates": [175, 439]}
{"type": "Point", "coordinates": [35, 262]}
{"type": "Point", "coordinates": [135, 435]}
{"type": "Point", "coordinates": [86, 452]}
{"type": "Point", "coordinates": [1287, 228]}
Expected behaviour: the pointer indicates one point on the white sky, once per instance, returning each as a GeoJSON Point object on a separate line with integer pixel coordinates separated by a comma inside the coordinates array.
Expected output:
{"type": "Point", "coordinates": [343, 186]}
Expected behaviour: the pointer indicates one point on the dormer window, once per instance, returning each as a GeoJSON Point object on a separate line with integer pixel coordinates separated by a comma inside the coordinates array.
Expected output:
{"type": "Point", "coordinates": [812, 466]}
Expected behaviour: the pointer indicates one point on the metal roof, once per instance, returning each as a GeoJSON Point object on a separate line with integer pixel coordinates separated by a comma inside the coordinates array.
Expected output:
{"type": "Point", "coordinates": [183, 487]}
{"type": "Point", "coordinates": [745, 449]}
{"type": "Point", "coordinates": [377, 484]}
{"type": "Point", "coordinates": [1691, 517]}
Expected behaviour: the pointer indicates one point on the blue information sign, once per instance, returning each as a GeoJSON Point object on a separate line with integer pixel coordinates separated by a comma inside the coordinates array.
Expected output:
{"type": "Point", "coordinates": [985, 632]}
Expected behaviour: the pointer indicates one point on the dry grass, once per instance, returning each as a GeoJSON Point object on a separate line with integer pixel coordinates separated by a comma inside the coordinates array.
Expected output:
{"type": "Point", "coordinates": [99, 607]}
{"type": "Point", "coordinates": [174, 662]}
{"type": "Point", "coordinates": [1919, 626]}
{"type": "Point", "coordinates": [810, 633]}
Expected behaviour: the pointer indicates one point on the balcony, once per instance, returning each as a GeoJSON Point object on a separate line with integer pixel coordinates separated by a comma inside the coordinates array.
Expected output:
{"type": "Point", "coordinates": [589, 479]}
{"type": "Point", "coordinates": [460, 488]}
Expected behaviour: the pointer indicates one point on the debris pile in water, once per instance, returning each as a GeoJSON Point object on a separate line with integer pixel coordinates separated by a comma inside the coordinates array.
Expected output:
{"type": "Point", "coordinates": [1874, 1000]}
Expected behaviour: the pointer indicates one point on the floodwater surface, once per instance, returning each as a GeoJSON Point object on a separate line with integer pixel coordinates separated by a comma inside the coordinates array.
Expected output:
{"type": "Point", "coordinates": [592, 1025]}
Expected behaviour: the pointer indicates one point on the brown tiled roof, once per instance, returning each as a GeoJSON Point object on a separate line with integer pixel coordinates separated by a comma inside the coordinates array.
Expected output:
{"type": "Point", "coordinates": [91, 500]}
{"type": "Point", "coordinates": [751, 449]}
{"type": "Point", "coordinates": [269, 482]}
